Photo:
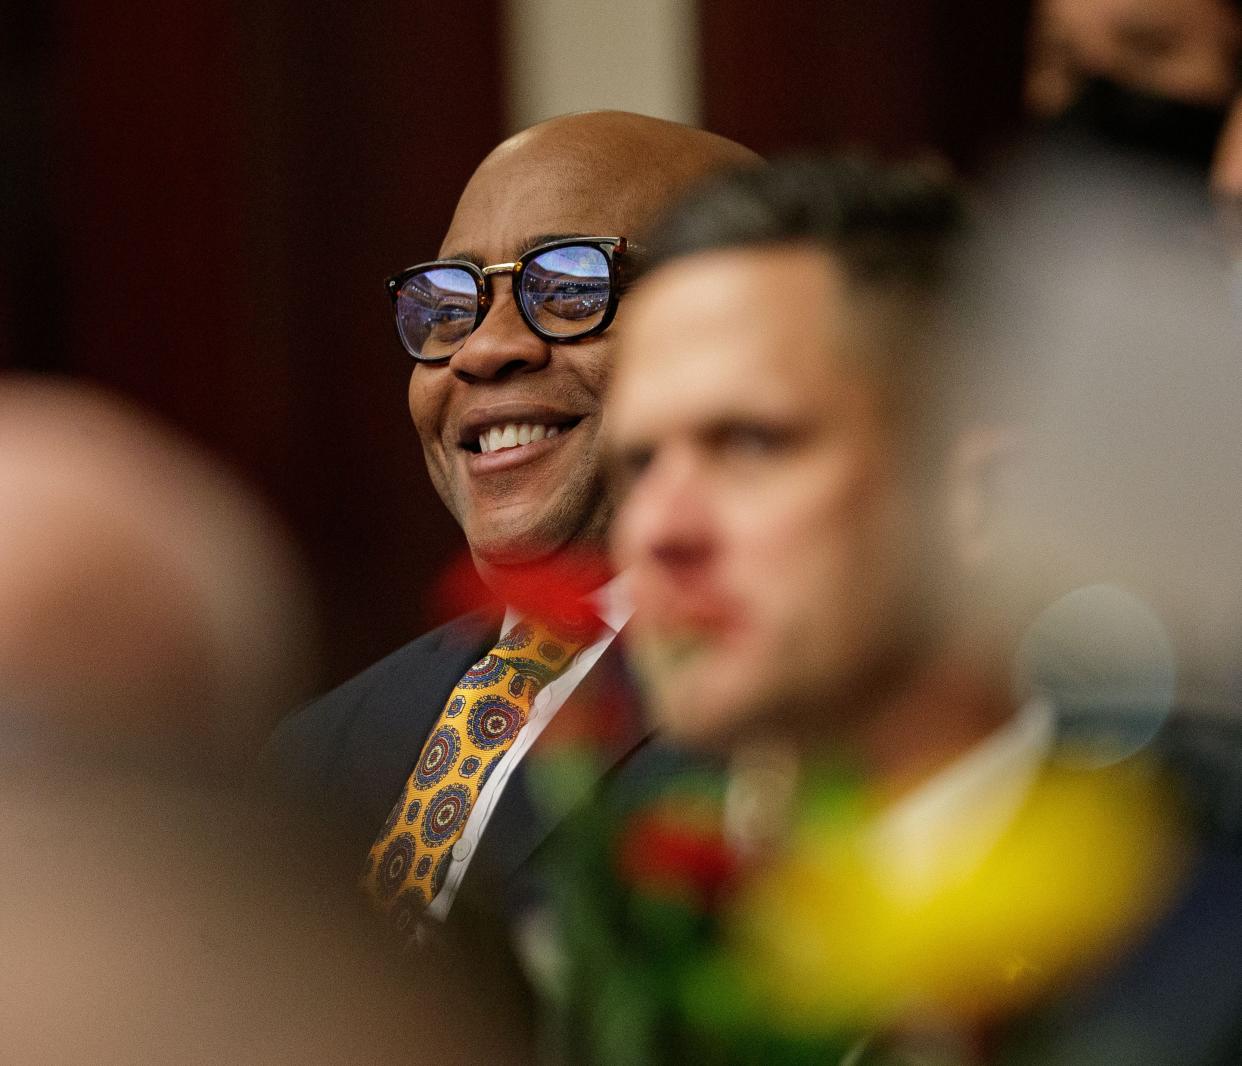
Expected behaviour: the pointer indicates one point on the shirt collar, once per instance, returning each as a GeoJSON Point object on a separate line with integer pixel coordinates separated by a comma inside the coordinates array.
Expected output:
{"type": "Point", "coordinates": [956, 816]}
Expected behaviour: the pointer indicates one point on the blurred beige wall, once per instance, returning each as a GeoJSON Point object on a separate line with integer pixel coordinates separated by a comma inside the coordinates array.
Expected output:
{"type": "Point", "coordinates": [579, 55]}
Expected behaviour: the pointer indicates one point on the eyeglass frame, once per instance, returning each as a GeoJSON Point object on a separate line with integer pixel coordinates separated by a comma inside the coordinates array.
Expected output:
{"type": "Point", "coordinates": [611, 247]}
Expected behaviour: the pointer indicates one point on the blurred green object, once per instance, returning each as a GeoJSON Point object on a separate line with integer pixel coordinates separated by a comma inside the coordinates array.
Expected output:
{"type": "Point", "coordinates": [643, 887]}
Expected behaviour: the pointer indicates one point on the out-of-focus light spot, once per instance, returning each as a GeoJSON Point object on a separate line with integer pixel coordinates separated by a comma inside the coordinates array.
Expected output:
{"type": "Point", "coordinates": [1104, 659]}
{"type": "Point", "coordinates": [826, 942]}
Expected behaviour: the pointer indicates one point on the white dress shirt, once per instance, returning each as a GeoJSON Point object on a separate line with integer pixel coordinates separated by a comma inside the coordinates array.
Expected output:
{"type": "Point", "coordinates": [960, 812]}
{"type": "Point", "coordinates": [611, 602]}
{"type": "Point", "coordinates": [949, 823]}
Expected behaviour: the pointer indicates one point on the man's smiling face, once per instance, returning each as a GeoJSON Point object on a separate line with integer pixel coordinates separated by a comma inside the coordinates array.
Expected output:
{"type": "Point", "coordinates": [510, 423]}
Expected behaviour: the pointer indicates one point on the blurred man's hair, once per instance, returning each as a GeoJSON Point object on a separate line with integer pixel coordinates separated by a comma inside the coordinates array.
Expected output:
{"type": "Point", "coordinates": [894, 230]}
{"type": "Point", "coordinates": [888, 225]}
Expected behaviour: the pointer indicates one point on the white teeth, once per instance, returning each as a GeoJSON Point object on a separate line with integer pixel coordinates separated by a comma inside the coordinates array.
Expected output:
{"type": "Point", "coordinates": [514, 435]}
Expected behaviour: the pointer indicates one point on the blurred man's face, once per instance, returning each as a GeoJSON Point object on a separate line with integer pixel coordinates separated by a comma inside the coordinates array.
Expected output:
{"type": "Point", "coordinates": [1181, 49]}
{"type": "Point", "coordinates": [520, 501]}
{"type": "Point", "coordinates": [770, 518]}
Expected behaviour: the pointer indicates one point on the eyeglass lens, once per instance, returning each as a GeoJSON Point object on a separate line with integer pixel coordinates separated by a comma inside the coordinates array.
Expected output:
{"type": "Point", "coordinates": [564, 292]}
{"type": "Point", "coordinates": [436, 311]}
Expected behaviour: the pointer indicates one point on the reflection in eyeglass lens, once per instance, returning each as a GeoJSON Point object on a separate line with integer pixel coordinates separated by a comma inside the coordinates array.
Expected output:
{"type": "Point", "coordinates": [436, 311]}
{"type": "Point", "coordinates": [565, 291]}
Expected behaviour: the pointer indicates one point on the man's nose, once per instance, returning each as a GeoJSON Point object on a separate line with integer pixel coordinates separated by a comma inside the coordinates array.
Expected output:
{"type": "Point", "coordinates": [666, 519]}
{"type": "Point", "coordinates": [502, 345]}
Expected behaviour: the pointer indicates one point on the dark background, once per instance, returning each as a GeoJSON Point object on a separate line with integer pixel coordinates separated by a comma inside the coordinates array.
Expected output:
{"type": "Point", "coordinates": [201, 202]}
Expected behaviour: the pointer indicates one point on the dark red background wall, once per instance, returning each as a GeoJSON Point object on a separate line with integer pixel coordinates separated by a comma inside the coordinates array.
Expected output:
{"type": "Point", "coordinates": [897, 76]}
{"type": "Point", "coordinates": [201, 202]}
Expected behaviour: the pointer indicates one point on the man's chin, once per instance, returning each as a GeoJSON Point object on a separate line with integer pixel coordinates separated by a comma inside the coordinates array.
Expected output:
{"type": "Point", "coordinates": [508, 540]}
{"type": "Point", "coordinates": [691, 698]}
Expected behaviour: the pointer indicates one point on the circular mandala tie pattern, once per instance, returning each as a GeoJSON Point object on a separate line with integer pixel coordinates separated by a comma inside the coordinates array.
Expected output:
{"type": "Point", "coordinates": [487, 671]}
{"type": "Point", "coordinates": [517, 638]}
{"type": "Point", "coordinates": [535, 669]}
{"type": "Point", "coordinates": [446, 814]}
{"type": "Point", "coordinates": [487, 772]}
{"type": "Point", "coordinates": [394, 864]}
{"type": "Point", "coordinates": [441, 873]}
{"type": "Point", "coordinates": [494, 721]}
{"type": "Point", "coordinates": [438, 757]}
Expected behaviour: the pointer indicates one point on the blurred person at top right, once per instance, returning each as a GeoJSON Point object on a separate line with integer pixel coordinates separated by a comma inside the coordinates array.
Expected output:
{"type": "Point", "coordinates": [1163, 77]}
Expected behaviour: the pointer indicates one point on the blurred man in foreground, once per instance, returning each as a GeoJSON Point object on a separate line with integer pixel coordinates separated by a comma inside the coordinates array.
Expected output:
{"type": "Point", "coordinates": [791, 466]}
{"type": "Point", "coordinates": [808, 491]}
{"type": "Point", "coordinates": [152, 619]}
{"type": "Point", "coordinates": [147, 598]}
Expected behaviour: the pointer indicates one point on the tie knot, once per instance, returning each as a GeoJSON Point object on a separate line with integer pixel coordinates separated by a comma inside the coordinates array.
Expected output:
{"type": "Point", "coordinates": [550, 644]}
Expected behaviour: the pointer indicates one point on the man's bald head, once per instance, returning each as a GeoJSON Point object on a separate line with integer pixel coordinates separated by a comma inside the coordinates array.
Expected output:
{"type": "Point", "coordinates": [635, 161]}
{"type": "Point", "coordinates": [601, 174]}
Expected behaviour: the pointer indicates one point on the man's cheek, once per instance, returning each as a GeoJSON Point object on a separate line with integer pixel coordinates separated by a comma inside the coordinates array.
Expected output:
{"type": "Point", "coordinates": [426, 405]}
{"type": "Point", "coordinates": [440, 477]}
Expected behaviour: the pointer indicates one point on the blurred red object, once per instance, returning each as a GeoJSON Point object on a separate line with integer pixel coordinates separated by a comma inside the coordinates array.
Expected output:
{"type": "Point", "coordinates": [664, 855]}
{"type": "Point", "coordinates": [557, 589]}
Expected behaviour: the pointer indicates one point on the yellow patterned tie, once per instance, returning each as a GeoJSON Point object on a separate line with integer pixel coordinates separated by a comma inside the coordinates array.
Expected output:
{"type": "Point", "coordinates": [409, 861]}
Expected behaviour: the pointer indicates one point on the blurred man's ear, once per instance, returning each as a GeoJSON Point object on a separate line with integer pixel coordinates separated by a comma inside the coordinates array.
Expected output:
{"type": "Point", "coordinates": [1227, 164]}
{"type": "Point", "coordinates": [981, 462]}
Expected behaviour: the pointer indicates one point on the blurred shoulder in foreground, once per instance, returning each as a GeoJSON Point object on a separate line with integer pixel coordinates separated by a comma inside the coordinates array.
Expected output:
{"type": "Point", "coordinates": [153, 621]}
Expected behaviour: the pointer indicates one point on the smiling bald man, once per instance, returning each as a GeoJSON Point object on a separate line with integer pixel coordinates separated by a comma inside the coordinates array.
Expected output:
{"type": "Point", "coordinates": [588, 176]}
{"type": "Point", "coordinates": [418, 762]}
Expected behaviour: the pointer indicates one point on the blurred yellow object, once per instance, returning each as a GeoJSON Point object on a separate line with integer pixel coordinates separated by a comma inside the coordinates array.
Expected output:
{"type": "Point", "coordinates": [834, 937]}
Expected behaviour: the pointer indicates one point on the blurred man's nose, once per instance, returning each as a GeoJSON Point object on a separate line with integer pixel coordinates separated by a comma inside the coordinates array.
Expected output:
{"type": "Point", "coordinates": [666, 518]}
{"type": "Point", "coordinates": [502, 345]}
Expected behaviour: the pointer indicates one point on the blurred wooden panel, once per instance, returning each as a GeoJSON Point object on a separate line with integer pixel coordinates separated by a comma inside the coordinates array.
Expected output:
{"type": "Point", "coordinates": [891, 75]}
{"type": "Point", "coordinates": [231, 183]}
{"type": "Point", "coordinates": [30, 262]}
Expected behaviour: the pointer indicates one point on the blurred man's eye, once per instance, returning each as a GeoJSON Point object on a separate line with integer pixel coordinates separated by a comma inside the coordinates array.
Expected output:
{"type": "Point", "coordinates": [1149, 42]}
{"type": "Point", "coordinates": [629, 464]}
{"type": "Point", "coordinates": [752, 439]}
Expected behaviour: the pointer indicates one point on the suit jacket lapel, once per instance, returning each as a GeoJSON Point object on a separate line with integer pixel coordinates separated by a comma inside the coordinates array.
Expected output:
{"type": "Point", "coordinates": [387, 739]}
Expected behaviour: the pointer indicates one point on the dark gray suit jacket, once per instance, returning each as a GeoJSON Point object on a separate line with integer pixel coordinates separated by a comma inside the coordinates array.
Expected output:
{"type": "Point", "coordinates": [1175, 998]}
{"type": "Point", "coordinates": [343, 759]}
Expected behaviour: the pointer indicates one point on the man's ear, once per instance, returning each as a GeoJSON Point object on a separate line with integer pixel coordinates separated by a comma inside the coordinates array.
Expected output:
{"type": "Point", "coordinates": [981, 463]}
{"type": "Point", "coordinates": [1227, 164]}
